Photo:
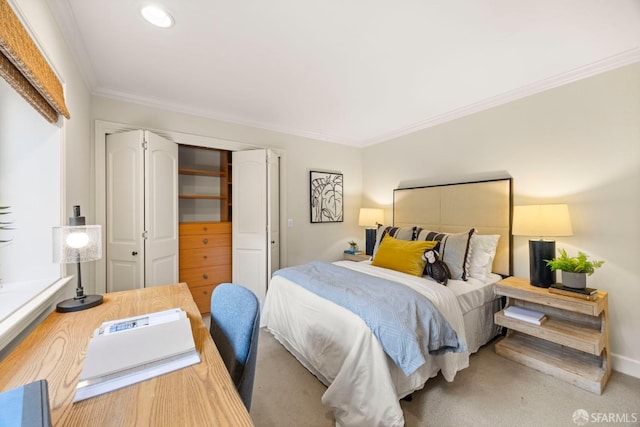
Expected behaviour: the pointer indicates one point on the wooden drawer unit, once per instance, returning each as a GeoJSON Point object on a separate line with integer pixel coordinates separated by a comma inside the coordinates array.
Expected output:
{"type": "Point", "coordinates": [201, 276]}
{"type": "Point", "coordinates": [205, 258]}
{"type": "Point", "coordinates": [571, 344]}
{"type": "Point", "coordinates": [202, 296]}
{"type": "Point", "coordinates": [198, 228]}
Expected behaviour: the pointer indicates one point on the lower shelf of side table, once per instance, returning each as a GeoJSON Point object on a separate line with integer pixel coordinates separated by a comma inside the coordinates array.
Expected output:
{"type": "Point", "coordinates": [580, 369]}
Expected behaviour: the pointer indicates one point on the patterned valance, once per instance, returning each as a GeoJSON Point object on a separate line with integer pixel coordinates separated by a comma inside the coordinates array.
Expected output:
{"type": "Point", "coordinates": [25, 69]}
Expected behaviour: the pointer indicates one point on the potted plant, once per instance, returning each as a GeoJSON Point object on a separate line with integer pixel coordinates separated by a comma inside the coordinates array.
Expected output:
{"type": "Point", "coordinates": [353, 246]}
{"type": "Point", "coordinates": [574, 269]}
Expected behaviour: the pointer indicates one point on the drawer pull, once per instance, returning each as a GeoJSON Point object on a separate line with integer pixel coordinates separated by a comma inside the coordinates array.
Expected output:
{"type": "Point", "coordinates": [205, 228]}
{"type": "Point", "coordinates": [205, 276]}
{"type": "Point", "coordinates": [205, 241]}
{"type": "Point", "coordinates": [205, 257]}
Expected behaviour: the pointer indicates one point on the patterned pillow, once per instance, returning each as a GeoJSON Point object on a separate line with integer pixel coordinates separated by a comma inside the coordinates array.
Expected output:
{"type": "Point", "coordinates": [453, 249]}
{"type": "Point", "coordinates": [401, 233]}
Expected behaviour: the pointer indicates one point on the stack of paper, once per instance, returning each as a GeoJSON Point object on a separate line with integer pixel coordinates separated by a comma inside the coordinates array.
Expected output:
{"type": "Point", "coordinates": [525, 314]}
{"type": "Point", "coordinates": [126, 351]}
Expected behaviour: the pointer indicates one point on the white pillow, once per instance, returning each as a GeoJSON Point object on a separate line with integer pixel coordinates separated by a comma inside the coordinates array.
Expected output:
{"type": "Point", "coordinates": [482, 251]}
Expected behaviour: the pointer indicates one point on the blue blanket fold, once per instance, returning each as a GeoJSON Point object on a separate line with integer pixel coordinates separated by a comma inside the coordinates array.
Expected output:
{"type": "Point", "coordinates": [406, 323]}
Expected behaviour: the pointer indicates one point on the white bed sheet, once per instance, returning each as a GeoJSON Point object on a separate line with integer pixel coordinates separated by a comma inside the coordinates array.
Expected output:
{"type": "Point", "coordinates": [364, 384]}
{"type": "Point", "coordinates": [473, 293]}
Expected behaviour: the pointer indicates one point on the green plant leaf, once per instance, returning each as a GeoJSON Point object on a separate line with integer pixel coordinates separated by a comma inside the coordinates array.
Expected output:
{"type": "Point", "coordinates": [578, 264]}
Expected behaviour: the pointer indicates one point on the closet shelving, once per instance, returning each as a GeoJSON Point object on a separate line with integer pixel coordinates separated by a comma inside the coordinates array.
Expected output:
{"type": "Point", "coordinates": [205, 220]}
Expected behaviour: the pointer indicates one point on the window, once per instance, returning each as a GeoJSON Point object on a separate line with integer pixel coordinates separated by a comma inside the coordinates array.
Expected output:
{"type": "Point", "coordinates": [30, 184]}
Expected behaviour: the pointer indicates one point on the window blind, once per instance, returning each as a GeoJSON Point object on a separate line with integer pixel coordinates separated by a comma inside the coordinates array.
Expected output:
{"type": "Point", "coordinates": [25, 69]}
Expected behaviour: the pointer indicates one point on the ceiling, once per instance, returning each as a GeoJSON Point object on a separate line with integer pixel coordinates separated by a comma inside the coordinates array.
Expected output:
{"type": "Point", "coordinates": [354, 72]}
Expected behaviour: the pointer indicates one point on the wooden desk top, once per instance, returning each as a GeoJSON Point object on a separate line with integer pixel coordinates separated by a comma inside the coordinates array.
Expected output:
{"type": "Point", "coordinates": [198, 395]}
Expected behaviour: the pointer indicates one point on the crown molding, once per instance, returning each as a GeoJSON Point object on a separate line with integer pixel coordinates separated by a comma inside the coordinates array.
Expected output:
{"type": "Point", "coordinates": [207, 114]}
{"type": "Point", "coordinates": [616, 61]}
{"type": "Point", "coordinates": [607, 64]}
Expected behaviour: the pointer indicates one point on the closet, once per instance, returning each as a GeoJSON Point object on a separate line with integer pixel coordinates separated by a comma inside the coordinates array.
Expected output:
{"type": "Point", "coordinates": [168, 210]}
{"type": "Point", "coordinates": [204, 193]}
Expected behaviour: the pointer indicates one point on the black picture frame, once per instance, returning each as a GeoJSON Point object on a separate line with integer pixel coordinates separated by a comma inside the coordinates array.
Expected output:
{"type": "Point", "coordinates": [326, 201]}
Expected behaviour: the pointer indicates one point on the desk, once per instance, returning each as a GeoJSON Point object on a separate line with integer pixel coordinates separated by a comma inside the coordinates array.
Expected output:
{"type": "Point", "coordinates": [198, 395]}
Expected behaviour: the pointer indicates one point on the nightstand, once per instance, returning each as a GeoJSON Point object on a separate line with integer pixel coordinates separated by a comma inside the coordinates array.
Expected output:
{"type": "Point", "coordinates": [572, 344]}
{"type": "Point", "coordinates": [356, 257]}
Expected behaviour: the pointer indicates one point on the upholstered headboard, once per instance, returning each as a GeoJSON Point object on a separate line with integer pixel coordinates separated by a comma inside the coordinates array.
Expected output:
{"type": "Point", "coordinates": [485, 205]}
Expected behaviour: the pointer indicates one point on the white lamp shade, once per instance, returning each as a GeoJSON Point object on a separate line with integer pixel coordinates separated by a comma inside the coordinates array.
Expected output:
{"type": "Point", "coordinates": [370, 217]}
{"type": "Point", "coordinates": [542, 220]}
{"type": "Point", "coordinates": [73, 244]}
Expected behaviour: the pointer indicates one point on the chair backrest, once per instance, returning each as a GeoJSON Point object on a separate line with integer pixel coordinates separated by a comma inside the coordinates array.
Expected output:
{"type": "Point", "coordinates": [235, 319]}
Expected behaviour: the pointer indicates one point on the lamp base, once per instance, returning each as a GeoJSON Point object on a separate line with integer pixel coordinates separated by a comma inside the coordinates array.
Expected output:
{"type": "Point", "coordinates": [540, 251]}
{"type": "Point", "coordinates": [78, 304]}
{"type": "Point", "coordinates": [370, 238]}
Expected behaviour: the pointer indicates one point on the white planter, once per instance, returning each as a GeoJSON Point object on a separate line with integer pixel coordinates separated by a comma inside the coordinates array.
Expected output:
{"type": "Point", "coordinates": [574, 280]}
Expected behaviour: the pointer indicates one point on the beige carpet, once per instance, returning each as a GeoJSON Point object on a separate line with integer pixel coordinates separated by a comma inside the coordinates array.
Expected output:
{"type": "Point", "coordinates": [493, 391]}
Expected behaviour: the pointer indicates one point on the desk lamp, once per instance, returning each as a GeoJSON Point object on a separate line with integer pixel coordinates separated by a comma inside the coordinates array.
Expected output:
{"type": "Point", "coordinates": [77, 243]}
{"type": "Point", "coordinates": [370, 218]}
{"type": "Point", "coordinates": [541, 221]}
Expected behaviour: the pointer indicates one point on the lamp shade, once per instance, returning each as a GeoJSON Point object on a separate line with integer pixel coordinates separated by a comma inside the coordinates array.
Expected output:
{"type": "Point", "coordinates": [542, 220]}
{"type": "Point", "coordinates": [73, 244]}
{"type": "Point", "coordinates": [370, 217]}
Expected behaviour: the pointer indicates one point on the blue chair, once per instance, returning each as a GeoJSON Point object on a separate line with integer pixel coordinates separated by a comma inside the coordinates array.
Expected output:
{"type": "Point", "coordinates": [235, 319]}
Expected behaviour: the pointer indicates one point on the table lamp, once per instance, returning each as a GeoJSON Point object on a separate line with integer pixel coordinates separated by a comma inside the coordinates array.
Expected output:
{"type": "Point", "coordinates": [77, 243]}
{"type": "Point", "coordinates": [541, 221]}
{"type": "Point", "coordinates": [370, 218]}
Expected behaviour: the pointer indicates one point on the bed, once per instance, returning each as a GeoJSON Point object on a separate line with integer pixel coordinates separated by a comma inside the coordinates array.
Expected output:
{"type": "Point", "coordinates": [364, 384]}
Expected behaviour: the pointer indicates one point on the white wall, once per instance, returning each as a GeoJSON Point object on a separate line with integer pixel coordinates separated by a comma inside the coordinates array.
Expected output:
{"type": "Point", "coordinates": [304, 241]}
{"type": "Point", "coordinates": [577, 144]}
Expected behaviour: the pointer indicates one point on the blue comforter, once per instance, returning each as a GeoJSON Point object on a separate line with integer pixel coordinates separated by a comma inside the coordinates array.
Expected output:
{"type": "Point", "coordinates": [406, 324]}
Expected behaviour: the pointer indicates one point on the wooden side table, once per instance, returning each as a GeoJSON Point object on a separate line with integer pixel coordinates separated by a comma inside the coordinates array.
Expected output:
{"type": "Point", "coordinates": [356, 257]}
{"type": "Point", "coordinates": [571, 344]}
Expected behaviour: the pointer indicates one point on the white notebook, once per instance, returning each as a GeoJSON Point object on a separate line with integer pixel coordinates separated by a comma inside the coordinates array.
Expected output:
{"type": "Point", "coordinates": [127, 351]}
{"type": "Point", "coordinates": [524, 314]}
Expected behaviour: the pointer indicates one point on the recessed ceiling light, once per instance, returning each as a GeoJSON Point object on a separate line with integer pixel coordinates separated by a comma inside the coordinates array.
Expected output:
{"type": "Point", "coordinates": [157, 16]}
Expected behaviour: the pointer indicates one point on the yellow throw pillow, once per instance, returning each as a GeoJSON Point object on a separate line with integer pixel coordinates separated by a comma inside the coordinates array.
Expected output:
{"type": "Point", "coordinates": [402, 255]}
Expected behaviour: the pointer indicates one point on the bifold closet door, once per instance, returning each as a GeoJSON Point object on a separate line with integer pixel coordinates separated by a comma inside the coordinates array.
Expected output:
{"type": "Point", "coordinates": [142, 210]}
{"type": "Point", "coordinates": [161, 211]}
{"type": "Point", "coordinates": [256, 240]}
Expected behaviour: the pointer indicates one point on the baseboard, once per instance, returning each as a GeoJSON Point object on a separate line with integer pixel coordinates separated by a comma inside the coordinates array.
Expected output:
{"type": "Point", "coordinates": [625, 365]}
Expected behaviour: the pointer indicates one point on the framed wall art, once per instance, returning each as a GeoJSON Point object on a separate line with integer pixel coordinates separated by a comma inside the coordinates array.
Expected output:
{"type": "Point", "coordinates": [326, 197]}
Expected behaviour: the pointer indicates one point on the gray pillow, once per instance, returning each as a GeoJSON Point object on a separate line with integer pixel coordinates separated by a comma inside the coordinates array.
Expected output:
{"type": "Point", "coordinates": [453, 249]}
